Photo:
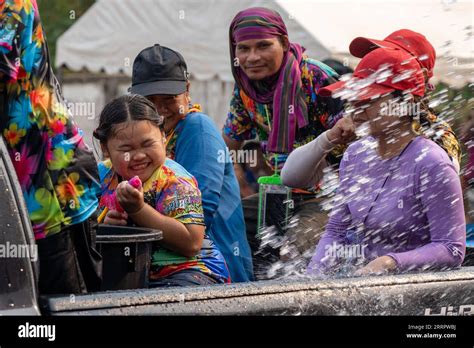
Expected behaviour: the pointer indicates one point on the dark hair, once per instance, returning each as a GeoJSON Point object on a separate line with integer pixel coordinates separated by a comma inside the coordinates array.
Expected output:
{"type": "Point", "coordinates": [398, 94]}
{"type": "Point", "coordinates": [130, 107]}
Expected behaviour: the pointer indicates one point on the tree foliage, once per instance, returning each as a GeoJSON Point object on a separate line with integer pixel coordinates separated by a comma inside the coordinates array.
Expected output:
{"type": "Point", "coordinates": [58, 15]}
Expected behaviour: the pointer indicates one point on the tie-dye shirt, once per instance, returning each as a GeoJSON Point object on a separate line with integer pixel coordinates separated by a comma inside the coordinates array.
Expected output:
{"type": "Point", "coordinates": [248, 119]}
{"type": "Point", "coordinates": [173, 192]}
{"type": "Point", "coordinates": [56, 170]}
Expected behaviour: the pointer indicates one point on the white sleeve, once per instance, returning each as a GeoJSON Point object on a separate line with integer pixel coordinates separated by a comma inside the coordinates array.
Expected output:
{"type": "Point", "coordinates": [304, 166]}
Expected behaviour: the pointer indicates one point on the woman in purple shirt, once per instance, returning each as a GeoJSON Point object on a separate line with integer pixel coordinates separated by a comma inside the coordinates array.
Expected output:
{"type": "Point", "coordinates": [399, 205]}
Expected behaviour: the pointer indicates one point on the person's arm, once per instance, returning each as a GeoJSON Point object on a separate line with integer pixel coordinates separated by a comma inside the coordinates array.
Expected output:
{"type": "Point", "coordinates": [235, 145]}
{"type": "Point", "coordinates": [442, 199]}
{"type": "Point", "coordinates": [340, 219]}
{"type": "Point", "coordinates": [11, 38]}
{"type": "Point", "coordinates": [10, 42]}
{"type": "Point", "coordinates": [232, 144]}
{"type": "Point", "coordinates": [238, 127]}
{"type": "Point", "coordinates": [185, 239]}
{"type": "Point", "coordinates": [304, 166]}
{"type": "Point", "coordinates": [324, 260]}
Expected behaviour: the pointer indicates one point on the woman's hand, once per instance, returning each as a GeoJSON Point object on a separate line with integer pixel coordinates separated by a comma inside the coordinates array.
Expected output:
{"type": "Point", "coordinates": [380, 265]}
{"type": "Point", "coordinates": [342, 132]}
{"type": "Point", "coordinates": [114, 217]}
{"type": "Point", "coordinates": [130, 198]}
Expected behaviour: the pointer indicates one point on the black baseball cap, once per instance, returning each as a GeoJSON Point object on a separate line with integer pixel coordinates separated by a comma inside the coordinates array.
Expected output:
{"type": "Point", "coordinates": [159, 70]}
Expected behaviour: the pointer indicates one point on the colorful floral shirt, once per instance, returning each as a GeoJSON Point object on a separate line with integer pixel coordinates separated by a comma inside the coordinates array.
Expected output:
{"type": "Point", "coordinates": [173, 192]}
{"type": "Point", "coordinates": [56, 170]}
{"type": "Point", "coordinates": [248, 119]}
{"type": "Point", "coordinates": [442, 134]}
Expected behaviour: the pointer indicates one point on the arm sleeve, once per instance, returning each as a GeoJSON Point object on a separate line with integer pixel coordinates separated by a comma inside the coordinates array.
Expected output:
{"type": "Point", "coordinates": [238, 125]}
{"type": "Point", "coordinates": [304, 166]}
{"type": "Point", "coordinates": [11, 30]}
{"type": "Point", "coordinates": [339, 220]}
{"type": "Point", "coordinates": [203, 155]}
{"type": "Point", "coordinates": [441, 196]}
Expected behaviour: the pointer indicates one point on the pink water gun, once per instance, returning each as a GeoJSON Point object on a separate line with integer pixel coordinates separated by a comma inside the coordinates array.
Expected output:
{"type": "Point", "coordinates": [111, 202]}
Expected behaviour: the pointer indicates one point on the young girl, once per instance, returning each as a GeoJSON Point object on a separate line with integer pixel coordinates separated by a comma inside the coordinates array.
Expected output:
{"type": "Point", "coordinates": [161, 75]}
{"type": "Point", "coordinates": [131, 137]}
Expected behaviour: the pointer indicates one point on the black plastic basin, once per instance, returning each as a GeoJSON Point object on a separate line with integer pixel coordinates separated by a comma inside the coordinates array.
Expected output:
{"type": "Point", "coordinates": [126, 253]}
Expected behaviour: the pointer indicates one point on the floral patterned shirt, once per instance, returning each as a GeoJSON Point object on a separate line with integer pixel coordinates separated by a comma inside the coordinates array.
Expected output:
{"type": "Point", "coordinates": [442, 134]}
{"type": "Point", "coordinates": [173, 192]}
{"type": "Point", "coordinates": [56, 170]}
{"type": "Point", "coordinates": [248, 119]}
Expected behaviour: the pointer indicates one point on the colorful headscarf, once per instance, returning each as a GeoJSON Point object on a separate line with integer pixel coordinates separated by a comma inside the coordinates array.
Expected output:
{"type": "Point", "coordinates": [285, 93]}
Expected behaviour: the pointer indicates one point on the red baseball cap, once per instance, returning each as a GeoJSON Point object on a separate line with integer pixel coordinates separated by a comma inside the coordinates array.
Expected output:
{"type": "Point", "coordinates": [414, 43]}
{"type": "Point", "coordinates": [380, 72]}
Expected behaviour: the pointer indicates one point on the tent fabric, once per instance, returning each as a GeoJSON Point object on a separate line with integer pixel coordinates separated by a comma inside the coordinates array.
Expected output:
{"type": "Point", "coordinates": [108, 37]}
{"type": "Point", "coordinates": [111, 33]}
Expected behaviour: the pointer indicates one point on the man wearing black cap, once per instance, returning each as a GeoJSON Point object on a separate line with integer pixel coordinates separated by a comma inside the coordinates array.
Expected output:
{"type": "Point", "coordinates": [192, 140]}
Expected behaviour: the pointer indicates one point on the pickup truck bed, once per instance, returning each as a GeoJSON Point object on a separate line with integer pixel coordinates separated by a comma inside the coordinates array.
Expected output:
{"type": "Point", "coordinates": [444, 293]}
{"type": "Point", "coordinates": [413, 294]}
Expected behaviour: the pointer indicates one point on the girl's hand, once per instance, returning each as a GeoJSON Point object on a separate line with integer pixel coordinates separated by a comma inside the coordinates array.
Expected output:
{"type": "Point", "coordinates": [380, 265]}
{"type": "Point", "coordinates": [129, 197]}
{"type": "Point", "coordinates": [114, 217]}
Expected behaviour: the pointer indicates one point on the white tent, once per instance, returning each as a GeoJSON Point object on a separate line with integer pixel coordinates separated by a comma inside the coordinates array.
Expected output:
{"type": "Point", "coordinates": [111, 33]}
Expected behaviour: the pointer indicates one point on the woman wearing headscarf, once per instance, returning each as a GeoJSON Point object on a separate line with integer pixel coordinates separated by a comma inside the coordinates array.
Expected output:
{"type": "Point", "coordinates": [276, 100]}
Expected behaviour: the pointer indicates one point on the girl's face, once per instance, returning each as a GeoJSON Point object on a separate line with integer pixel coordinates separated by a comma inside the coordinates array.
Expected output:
{"type": "Point", "coordinates": [137, 148]}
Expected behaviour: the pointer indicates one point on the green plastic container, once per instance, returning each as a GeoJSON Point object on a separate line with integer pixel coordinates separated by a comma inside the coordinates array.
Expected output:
{"type": "Point", "coordinates": [274, 203]}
